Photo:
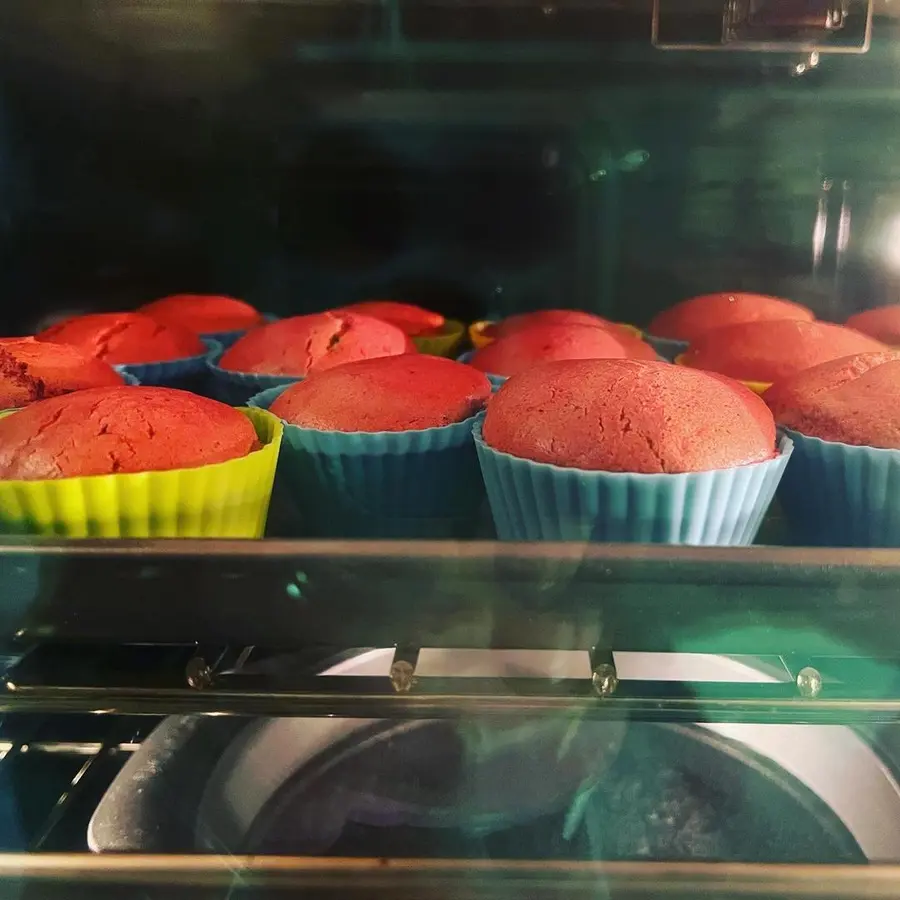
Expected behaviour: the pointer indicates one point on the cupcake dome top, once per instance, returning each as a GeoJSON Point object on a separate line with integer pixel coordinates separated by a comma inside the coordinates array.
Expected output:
{"type": "Point", "coordinates": [33, 370]}
{"type": "Point", "coordinates": [125, 337]}
{"type": "Point", "coordinates": [396, 393]}
{"type": "Point", "coordinates": [410, 319]}
{"type": "Point", "coordinates": [544, 317]}
{"type": "Point", "coordinates": [694, 317]}
{"type": "Point", "coordinates": [203, 313]}
{"type": "Point", "coordinates": [301, 345]}
{"type": "Point", "coordinates": [881, 323]}
{"type": "Point", "coordinates": [854, 400]}
{"type": "Point", "coordinates": [116, 430]}
{"type": "Point", "coordinates": [525, 348]}
{"type": "Point", "coordinates": [775, 349]}
{"type": "Point", "coordinates": [623, 415]}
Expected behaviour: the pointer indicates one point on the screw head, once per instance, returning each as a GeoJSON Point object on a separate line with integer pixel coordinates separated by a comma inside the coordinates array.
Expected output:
{"type": "Point", "coordinates": [402, 676]}
{"type": "Point", "coordinates": [198, 673]}
{"type": "Point", "coordinates": [605, 680]}
{"type": "Point", "coordinates": [809, 683]}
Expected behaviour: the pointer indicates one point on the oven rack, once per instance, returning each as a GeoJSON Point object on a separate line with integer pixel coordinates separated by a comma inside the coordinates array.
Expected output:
{"type": "Point", "coordinates": [154, 628]}
{"type": "Point", "coordinates": [53, 772]}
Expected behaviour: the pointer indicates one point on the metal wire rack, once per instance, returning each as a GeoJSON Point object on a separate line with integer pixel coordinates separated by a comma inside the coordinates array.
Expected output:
{"type": "Point", "coordinates": [53, 772]}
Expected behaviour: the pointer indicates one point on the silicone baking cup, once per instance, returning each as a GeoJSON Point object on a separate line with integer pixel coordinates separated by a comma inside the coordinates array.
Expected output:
{"type": "Point", "coordinates": [444, 343]}
{"type": "Point", "coordinates": [668, 348]}
{"type": "Point", "coordinates": [170, 372]}
{"type": "Point", "coordinates": [224, 500]}
{"type": "Point", "coordinates": [495, 380]}
{"type": "Point", "coordinates": [237, 388]}
{"type": "Point", "coordinates": [388, 484]}
{"type": "Point", "coordinates": [533, 501]}
{"type": "Point", "coordinates": [226, 338]}
{"type": "Point", "coordinates": [840, 495]}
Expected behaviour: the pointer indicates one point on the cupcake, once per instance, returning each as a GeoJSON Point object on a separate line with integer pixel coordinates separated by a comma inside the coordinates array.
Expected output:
{"type": "Point", "coordinates": [761, 353]}
{"type": "Point", "coordinates": [483, 333]}
{"type": "Point", "coordinates": [33, 370]}
{"type": "Point", "coordinates": [383, 447]}
{"type": "Point", "coordinates": [628, 450]}
{"type": "Point", "coordinates": [842, 487]}
{"type": "Point", "coordinates": [286, 351]}
{"type": "Point", "coordinates": [222, 319]}
{"type": "Point", "coordinates": [524, 348]}
{"type": "Point", "coordinates": [674, 328]}
{"type": "Point", "coordinates": [136, 462]}
{"type": "Point", "coordinates": [430, 331]}
{"type": "Point", "coordinates": [881, 323]}
{"type": "Point", "coordinates": [154, 353]}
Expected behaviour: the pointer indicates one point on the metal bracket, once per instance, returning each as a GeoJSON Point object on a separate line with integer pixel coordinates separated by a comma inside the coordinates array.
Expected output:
{"type": "Point", "coordinates": [757, 27]}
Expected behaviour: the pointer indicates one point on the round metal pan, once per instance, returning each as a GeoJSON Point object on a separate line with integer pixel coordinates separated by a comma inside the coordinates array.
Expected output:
{"type": "Point", "coordinates": [802, 793]}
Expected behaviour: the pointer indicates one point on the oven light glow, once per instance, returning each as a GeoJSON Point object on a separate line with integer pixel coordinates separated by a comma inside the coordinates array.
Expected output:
{"type": "Point", "coordinates": [890, 243]}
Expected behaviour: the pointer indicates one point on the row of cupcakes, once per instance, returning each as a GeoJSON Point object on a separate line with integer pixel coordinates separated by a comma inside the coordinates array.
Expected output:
{"type": "Point", "coordinates": [755, 339]}
{"type": "Point", "coordinates": [408, 446]}
{"type": "Point", "coordinates": [89, 447]}
{"type": "Point", "coordinates": [594, 449]}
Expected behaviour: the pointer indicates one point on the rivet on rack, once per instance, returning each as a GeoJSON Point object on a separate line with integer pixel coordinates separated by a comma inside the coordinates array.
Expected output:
{"type": "Point", "coordinates": [198, 673]}
{"type": "Point", "coordinates": [605, 680]}
{"type": "Point", "coordinates": [809, 683]}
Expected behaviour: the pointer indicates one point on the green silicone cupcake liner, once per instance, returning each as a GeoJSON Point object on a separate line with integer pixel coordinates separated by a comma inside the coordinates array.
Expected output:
{"type": "Point", "coordinates": [840, 495]}
{"type": "Point", "coordinates": [533, 501]}
{"type": "Point", "coordinates": [388, 484]}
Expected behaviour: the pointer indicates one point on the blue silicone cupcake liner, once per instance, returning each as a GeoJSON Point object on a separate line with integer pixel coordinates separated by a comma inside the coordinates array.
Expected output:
{"type": "Point", "coordinates": [226, 338]}
{"type": "Point", "coordinates": [388, 484]}
{"type": "Point", "coordinates": [264, 399]}
{"type": "Point", "coordinates": [840, 495]}
{"type": "Point", "coordinates": [533, 501]}
{"type": "Point", "coordinates": [130, 379]}
{"type": "Point", "coordinates": [667, 348]}
{"type": "Point", "coordinates": [236, 388]}
{"type": "Point", "coordinates": [170, 372]}
{"type": "Point", "coordinates": [495, 380]}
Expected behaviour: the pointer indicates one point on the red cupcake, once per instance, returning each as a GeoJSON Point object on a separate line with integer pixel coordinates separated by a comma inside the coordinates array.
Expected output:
{"type": "Point", "coordinates": [110, 431]}
{"type": "Point", "coordinates": [204, 314]}
{"type": "Point", "coordinates": [410, 319]}
{"type": "Point", "coordinates": [842, 488]}
{"type": "Point", "coordinates": [628, 450]}
{"type": "Point", "coordinates": [302, 345]}
{"type": "Point", "coordinates": [690, 319]}
{"type": "Point", "coordinates": [125, 338]}
{"type": "Point", "coordinates": [545, 317]}
{"type": "Point", "coordinates": [524, 348]}
{"type": "Point", "coordinates": [769, 351]}
{"type": "Point", "coordinates": [881, 323]}
{"type": "Point", "coordinates": [33, 370]}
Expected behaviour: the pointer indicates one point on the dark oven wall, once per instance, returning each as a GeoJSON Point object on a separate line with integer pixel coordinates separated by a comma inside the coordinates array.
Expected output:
{"type": "Point", "coordinates": [478, 163]}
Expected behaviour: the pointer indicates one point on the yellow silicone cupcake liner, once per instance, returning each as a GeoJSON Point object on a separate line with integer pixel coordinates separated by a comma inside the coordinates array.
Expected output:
{"type": "Point", "coordinates": [479, 339]}
{"type": "Point", "coordinates": [443, 344]}
{"type": "Point", "coordinates": [758, 387]}
{"type": "Point", "coordinates": [223, 500]}
{"type": "Point", "coordinates": [477, 334]}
